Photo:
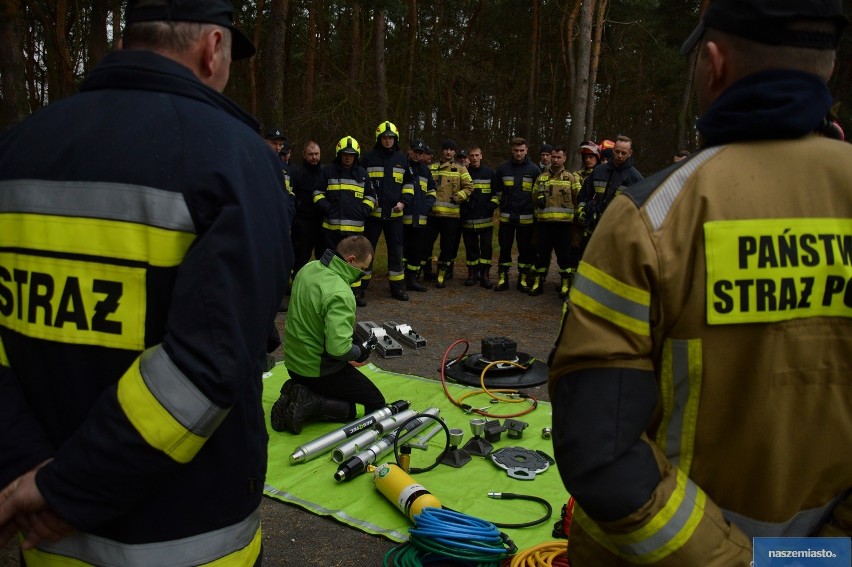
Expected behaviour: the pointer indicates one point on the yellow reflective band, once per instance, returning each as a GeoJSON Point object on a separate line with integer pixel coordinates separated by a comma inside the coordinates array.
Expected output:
{"type": "Point", "coordinates": [238, 545]}
{"type": "Point", "coordinates": [769, 270]}
{"type": "Point", "coordinates": [246, 556]}
{"type": "Point", "coordinates": [98, 237]}
{"type": "Point", "coordinates": [619, 303]}
{"type": "Point", "coordinates": [680, 385]}
{"type": "Point", "coordinates": [39, 558]}
{"type": "Point", "coordinates": [4, 360]}
{"type": "Point", "coordinates": [358, 190]}
{"type": "Point", "coordinates": [73, 302]}
{"type": "Point", "coordinates": [153, 422]}
{"type": "Point", "coordinates": [663, 535]}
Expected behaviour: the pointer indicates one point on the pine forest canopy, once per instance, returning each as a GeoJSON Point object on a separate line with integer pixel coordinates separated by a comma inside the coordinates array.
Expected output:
{"type": "Point", "coordinates": [556, 71]}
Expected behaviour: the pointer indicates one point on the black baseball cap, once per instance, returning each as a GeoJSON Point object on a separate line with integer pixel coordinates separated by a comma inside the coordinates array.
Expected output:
{"type": "Point", "coordinates": [418, 146]}
{"type": "Point", "coordinates": [275, 134]}
{"type": "Point", "coordinates": [767, 21]}
{"type": "Point", "coordinates": [219, 12]}
{"type": "Point", "coordinates": [462, 153]}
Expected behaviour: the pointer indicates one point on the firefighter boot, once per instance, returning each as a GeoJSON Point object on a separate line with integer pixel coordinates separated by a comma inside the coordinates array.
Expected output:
{"type": "Point", "coordinates": [450, 269]}
{"type": "Point", "coordinates": [502, 279]}
{"type": "Point", "coordinates": [442, 275]}
{"type": "Point", "coordinates": [524, 280]}
{"type": "Point", "coordinates": [537, 285]}
{"type": "Point", "coordinates": [472, 276]}
{"type": "Point", "coordinates": [299, 404]}
{"type": "Point", "coordinates": [397, 291]}
{"type": "Point", "coordinates": [411, 283]}
{"type": "Point", "coordinates": [565, 285]}
{"type": "Point", "coordinates": [426, 270]}
{"type": "Point", "coordinates": [484, 276]}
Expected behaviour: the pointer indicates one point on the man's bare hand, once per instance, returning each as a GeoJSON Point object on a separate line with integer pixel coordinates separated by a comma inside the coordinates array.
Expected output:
{"type": "Point", "coordinates": [23, 509]}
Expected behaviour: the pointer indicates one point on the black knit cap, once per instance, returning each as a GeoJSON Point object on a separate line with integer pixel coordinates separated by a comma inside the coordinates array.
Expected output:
{"type": "Point", "coordinates": [767, 21]}
{"type": "Point", "coordinates": [219, 12]}
{"type": "Point", "coordinates": [449, 144]}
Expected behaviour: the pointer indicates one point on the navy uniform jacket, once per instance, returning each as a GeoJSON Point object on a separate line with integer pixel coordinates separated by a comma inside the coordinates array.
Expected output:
{"type": "Point", "coordinates": [141, 267]}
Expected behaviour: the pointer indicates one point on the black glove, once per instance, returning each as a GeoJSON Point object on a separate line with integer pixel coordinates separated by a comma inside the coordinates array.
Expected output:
{"type": "Point", "coordinates": [366, 348]}
{"type": "Point", "coordinates": [364, 354]}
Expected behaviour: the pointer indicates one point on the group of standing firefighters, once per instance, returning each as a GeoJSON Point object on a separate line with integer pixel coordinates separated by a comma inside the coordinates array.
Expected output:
{"type": "Point", "coordinates": [415, 202]}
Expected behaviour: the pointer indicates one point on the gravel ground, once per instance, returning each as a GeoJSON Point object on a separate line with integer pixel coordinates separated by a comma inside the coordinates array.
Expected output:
{"type": "Point", "coordinates": [294, 537]}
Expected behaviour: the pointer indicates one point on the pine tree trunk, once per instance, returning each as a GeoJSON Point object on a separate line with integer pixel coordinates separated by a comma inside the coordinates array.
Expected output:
{"type": "Point", "coordinates": [581, 91]}
{"type": "Point", "coordinates": [381, 79]}
{"type": "Point", "coordinates": [593, 69]}
{"type": "Point", "coordinates": [528, 128]}
{"type": "Point", "coordinates": [13, 104]}
{"type": "Point", "coordinates": [271, 109]}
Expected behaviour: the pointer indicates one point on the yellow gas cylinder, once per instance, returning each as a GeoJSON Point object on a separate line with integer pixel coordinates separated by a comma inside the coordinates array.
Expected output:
{"type": "Point", "coordinates": [406, 493]}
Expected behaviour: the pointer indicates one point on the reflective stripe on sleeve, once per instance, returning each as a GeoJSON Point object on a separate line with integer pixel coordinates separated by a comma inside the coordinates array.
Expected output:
{"type": "Point", "coordinates": [680, 385]}
{"type": "Point", "coordinates": [165, 407]}
{"type": "Point", "coordinates": [664, 534]}
{"type": "Point", "coordinates": [621, 304]}
{"type": "Point", "coordinates": [235, 545]}
{"type": "Point", "coordinates": [343, 225]}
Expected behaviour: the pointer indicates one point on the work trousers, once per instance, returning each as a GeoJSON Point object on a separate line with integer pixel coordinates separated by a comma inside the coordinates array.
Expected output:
{"type": "Point", "coordinates": [555, 236]}
{"type": "Point", "coordinates": [478, 246]}
{"type": "Point", "coordinates": [392, 229]}
{"type": "Point", "coordinates": [506, 236]}
{"type": "Point", "coordinates": [448, 229]}
{"type": "Point", "coordinates": [307, 239]}
{"type": "Point", "coordinates": [347, 384]}
{"type": "Point", "coordinates": [412, 248]}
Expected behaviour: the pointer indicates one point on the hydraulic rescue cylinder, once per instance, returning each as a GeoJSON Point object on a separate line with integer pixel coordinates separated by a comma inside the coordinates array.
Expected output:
{"type": "Point", "coordinates": [409, 496]}
{"type": "Point", "coordinates": [334, 438]}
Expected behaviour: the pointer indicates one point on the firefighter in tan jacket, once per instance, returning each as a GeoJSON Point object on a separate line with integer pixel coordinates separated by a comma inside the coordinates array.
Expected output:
{"type": "Point", "coordinates": [555, 199]}
{"type": "Point", "coordinates": [453, 186]}
{"type": "Point", "coordinates": [701, 378]}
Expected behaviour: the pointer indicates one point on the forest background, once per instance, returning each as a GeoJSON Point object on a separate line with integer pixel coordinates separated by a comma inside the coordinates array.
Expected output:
{"type": "Point", "coordinates": [554, 71]}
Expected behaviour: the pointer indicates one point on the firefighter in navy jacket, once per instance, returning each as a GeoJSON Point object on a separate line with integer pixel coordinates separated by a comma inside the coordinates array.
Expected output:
{"type": "Point", "coordinates": [421, 188]}
{"type": "Point", "coordinates": [346, 197]}
{"type": "Point", "coordinates": [513, 185]}
{"type": "Point", "coordinates": [477, 221]}
{"type": "Point", "coordinates": [139, 278]}
{"type": "Point", "coordinates": [387, 168]}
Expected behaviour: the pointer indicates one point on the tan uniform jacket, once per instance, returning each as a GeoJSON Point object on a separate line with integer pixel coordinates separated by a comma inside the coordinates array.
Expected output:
{"type": "Point", "coordinates": [453, 186]}
{"type": "Point", "coordinates": [555, 196]}
{"type": "Point", "coordinates": [730, 279]}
